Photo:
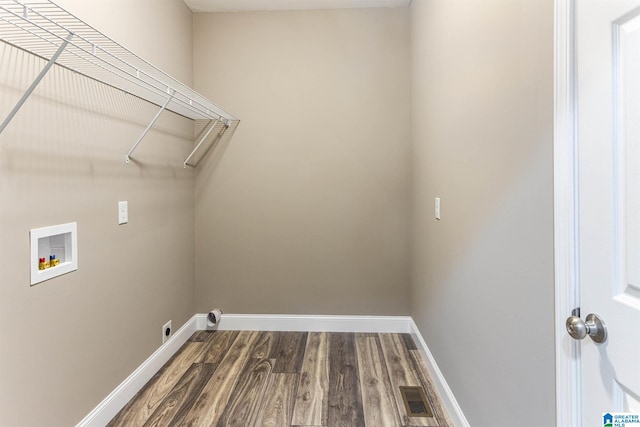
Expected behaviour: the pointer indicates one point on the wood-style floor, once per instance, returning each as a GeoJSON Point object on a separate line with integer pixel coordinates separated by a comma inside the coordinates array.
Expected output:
{"type": "Point", "coordinates": [283, 379]}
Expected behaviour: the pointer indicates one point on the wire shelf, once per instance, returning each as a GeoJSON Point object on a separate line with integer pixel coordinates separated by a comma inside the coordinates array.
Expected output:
{"type": "Point", "coordinates": [46, 30]}
{"type": "Point", "coordinates": [41, 27]}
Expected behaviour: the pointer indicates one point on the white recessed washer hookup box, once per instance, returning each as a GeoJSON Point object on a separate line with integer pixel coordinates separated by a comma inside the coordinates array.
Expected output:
{"type": "Point", "coordinates": [54, 251]}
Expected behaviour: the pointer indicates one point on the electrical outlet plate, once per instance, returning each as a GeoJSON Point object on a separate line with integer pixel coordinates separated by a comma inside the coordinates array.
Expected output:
{"type": "Point", "coordinates": [167, 330]}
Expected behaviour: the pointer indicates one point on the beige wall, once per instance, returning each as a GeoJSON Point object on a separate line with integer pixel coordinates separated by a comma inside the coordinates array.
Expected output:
{"type": "Point", "coordinates": [68, 342]}
{"type": "Point", "coordinates": [482, 277]}
{"type": "Point", "coordinates": [306, 209]}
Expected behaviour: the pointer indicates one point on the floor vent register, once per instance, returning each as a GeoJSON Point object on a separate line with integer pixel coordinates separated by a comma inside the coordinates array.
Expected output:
{"type": "Point", "coordinates": [415, 401]}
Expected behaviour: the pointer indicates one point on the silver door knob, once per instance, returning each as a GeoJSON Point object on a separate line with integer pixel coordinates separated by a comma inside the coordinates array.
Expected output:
{"type": "Point", "coordinates": [593, 326]}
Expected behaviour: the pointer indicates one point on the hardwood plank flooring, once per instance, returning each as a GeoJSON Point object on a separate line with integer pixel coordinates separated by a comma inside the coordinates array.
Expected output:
{"type": "Point", "coordinates": [216, 393]}
{"type": "Point", "coordinates": [378, 401]}
{"type": "Point", "coordinates": [345, 399]}
{"type": "Point", "coordinates": [265, 344]}
{"type": "Point", "coordinates": [439, 413]}
{"type": "Point", "coordinates": [288, 351]}
{"type": "Point", "coordinates": [199, 336]}
{"type": "Point", "coordinates": [220, 344]}
{"type": "Point", "coordinates": [311, 406]}
{"type": "Point", "coordinates": [279, 398]}
{"type": "Point", "coordinates": [401, 373]}
{"type": "Point", "coordinates": [183, 396]}
{"type": "Point", "coordinates": [142, 406]}
{"type": "Point", "coordinates": [408, 341]}
{"type": "Point", "coordinates": [244, 402]}
{"type": "Point", "coordinates": [285, 379]}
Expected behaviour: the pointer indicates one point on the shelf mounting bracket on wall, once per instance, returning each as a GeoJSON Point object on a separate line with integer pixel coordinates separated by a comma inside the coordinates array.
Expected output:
{"type": "Point", "coordinates": [186, 162]}
{"type": "Point", "coordinates": [37, 80]}
{"type": "Point", "coordinates": [171, 92]}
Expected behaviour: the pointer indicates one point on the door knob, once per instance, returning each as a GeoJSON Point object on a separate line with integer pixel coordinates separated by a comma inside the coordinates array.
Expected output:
{"type": "Point", "coordinates": [593, 326]}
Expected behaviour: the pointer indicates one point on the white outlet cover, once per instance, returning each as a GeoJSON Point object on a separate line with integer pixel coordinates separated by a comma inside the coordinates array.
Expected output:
{"type": "Point", "coordinates": [164, 328]}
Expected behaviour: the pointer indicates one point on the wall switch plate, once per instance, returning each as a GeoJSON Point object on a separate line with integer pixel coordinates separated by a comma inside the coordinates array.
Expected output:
{"type": "Point", "coordinates": [437, 213]}
{"type": "Point", "coordinates": [123, 213]}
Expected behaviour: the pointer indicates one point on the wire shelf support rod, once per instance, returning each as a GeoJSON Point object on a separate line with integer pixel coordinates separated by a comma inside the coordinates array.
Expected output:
{"type": "Point", "coordinates": [186, 162]}
{"type": "Point", "coordinates": [35, 83]}
{"type": "Point", "coordinates": [153, 121]}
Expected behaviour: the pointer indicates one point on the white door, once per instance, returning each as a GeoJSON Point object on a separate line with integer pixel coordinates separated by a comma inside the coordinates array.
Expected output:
{"type": "Point", "coordinates": [608, 205]}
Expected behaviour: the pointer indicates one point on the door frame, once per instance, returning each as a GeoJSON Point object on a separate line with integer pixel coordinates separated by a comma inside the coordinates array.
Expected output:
{"type": "Point", "coordinates": [566, 231]}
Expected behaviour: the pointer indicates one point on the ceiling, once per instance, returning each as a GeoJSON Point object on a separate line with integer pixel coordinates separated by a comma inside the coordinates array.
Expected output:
{"type": "Point", "coordinates": [245, 5]}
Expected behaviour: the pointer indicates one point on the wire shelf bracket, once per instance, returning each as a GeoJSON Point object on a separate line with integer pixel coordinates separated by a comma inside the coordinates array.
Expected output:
{"type": "Point", "coordinates": [35, 83]}
{"type": "Point", "coordinates": [48, 31]}
{"type": "Point", "coordinates": [153, 121]}
{"type": "Point", "coordinates": [197, 147]}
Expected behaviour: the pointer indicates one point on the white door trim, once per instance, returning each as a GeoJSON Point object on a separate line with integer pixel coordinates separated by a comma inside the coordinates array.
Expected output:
{"type": "Point", "coordinates": [568, 411]}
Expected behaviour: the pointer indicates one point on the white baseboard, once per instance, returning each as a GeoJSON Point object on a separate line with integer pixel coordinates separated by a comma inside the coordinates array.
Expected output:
{"type": "Point", "coordinates": [118, 398]}
{"type": "Point", "coordinates": [310, 323]}
{"type": "Point", "coordinates": [446, 395]}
